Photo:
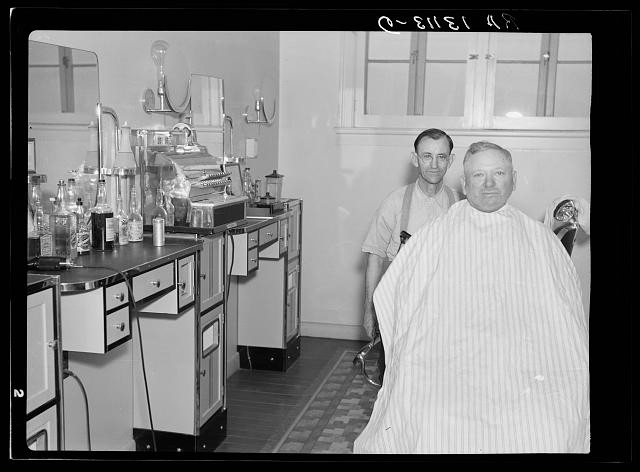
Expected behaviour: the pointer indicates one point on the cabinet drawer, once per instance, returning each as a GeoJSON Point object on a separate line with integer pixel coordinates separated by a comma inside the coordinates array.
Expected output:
{"type": "Point", "coordinates": [117, 325]}
{"type": "Point", "coordinates": [115, 296]}
{"type": "Point", "coordinates": [153, 282]}
{"type": "Point", "coordinates": [252, 259]}
{"type": "Point", "coordinates": [252, 239]}
{"type": "Point", "coordinates": [268, 234]}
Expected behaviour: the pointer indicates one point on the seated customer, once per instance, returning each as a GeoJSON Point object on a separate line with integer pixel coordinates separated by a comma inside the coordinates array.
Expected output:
{"type": "Point", "coordinates": [484, 331]}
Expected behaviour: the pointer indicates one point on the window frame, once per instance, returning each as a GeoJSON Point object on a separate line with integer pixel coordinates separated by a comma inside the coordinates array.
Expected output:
{"type": "Point", "coordinates": [479, 94]}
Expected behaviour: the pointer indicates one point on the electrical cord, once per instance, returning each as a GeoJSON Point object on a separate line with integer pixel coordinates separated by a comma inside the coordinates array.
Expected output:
{"type": "Point", "coordinates": [86, 403]}
{"type": "Point", "coordinates": [144, 371]}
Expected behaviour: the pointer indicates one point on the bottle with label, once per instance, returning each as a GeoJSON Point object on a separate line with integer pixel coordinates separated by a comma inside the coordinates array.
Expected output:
{"type": "Point", "coordinates": [44, 228]}
{"type": "Point", "coordinates": [135, 218]}
{"type": "Point", "coordinates": [121, 237]}
{"type": "Point", "coordinates": [84, 237]}
{"type": "Point", "coordinates": [63, 227]}
{"type": "Point", "coordinates": [103, 223]}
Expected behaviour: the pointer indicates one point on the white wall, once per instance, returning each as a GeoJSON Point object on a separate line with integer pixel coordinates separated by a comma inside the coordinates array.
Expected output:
{"type": "Point", "coordinates": [342, 176]}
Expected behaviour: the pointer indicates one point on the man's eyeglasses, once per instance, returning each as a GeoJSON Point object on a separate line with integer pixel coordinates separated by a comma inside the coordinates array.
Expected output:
{"type": "Point", "coordinates": [429, 157]}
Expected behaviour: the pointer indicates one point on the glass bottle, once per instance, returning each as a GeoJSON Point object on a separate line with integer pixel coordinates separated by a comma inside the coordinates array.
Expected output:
{"type": "Point", "coordinates": [247, 184]}
{"type": "Point", "coordinates": [103, 224]}
{"type": "Point", "coordinates": [170, 209]}
{"type": "Point", "coordinates": [121, 237]}
{"type": "Point", "coordinates": [63, 227]}
{"type": "Point", "coordinates": [84, 237]}
{"type": "Point", "coordinates": [72, 195]}
{"type": "Point", "coordinates": [158, 210]}
{"type": "Point", "coordinates": [135, 218]}
{"type": "Point", "coordinates": [149, 205]}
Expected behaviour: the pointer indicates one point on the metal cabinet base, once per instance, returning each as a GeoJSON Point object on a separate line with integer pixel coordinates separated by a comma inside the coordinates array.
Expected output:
{"type": "Point", "coordinates": [268, 358]}
{"type": "Point", "coordinates": [211, 435]}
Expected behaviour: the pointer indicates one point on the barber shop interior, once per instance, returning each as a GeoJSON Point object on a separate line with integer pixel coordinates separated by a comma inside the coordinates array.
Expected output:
{"type": "Point", "coordinates": [368, 241]}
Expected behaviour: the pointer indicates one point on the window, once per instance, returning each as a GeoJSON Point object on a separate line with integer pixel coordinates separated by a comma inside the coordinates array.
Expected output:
{"type": "Point", "coordinates": [469, 80]}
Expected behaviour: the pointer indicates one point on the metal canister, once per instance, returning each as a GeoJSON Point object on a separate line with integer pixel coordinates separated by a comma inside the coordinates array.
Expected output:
{"type": "Point", "coordinates": [158, 231]}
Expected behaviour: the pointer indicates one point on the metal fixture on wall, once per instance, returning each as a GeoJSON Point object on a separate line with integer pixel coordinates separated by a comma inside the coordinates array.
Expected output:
{"type": "Point", "coordinates": [259, 114]}
{"type": "Point", "coordinates": [176, 104]}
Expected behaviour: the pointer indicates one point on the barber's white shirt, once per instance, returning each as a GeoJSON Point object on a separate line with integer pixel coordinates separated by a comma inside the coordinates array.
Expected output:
{"type": "Point", "coordinates": [383, 237]}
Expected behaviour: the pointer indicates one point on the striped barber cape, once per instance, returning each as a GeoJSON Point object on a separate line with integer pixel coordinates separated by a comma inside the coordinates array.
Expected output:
{"type": "Point", "coordinates": [486, 341]}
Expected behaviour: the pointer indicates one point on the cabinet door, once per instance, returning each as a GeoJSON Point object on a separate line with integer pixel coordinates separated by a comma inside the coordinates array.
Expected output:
{"type": "Point", "coordinates": [283, 235]}
{"type": "Point", "coordinates": [211, 272]}
{"type": "Point", "coordinates": [293, 283]}
{"type": "Point", "coordinates": [294, 232]}
{"type": "Point", "coordinates": [42, 431]}
{"type": "Point", "coordinates": [211, 362]}
{"type": "Point", "coordinates": [41, 372]}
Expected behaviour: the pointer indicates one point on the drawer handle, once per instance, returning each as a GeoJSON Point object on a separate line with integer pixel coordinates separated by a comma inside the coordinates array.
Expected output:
{"type": "Point", "coordinates": [182, 285]}
{"type": "Point", "coordinates": [203, 373]}
{"type": "Point", "coordinates": [156, 283]}
{"type": "Point", "coordinates": [253, 240]}
{"type": "Point", "coordinates": [269, 234]}
{"type": "Point", "coordinates": [119, 297]}
{"type": "Point", "coordinates": [53, 344]}
{"type": "Point", "coordinates": [253, 260]}
{"type": "Point", "coordinates": [203, 276]}
{"type": "Point", "coordinates": [119, 327]}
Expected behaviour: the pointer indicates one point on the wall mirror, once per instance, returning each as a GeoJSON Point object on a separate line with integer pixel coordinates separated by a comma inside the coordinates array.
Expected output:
{"type": "Point", "coordinates": [62, 96]}
{"type": "Point", "coordinates": [63, 84]}
{"type": "Point", "coordinates": [207, 101]}
{"type": "Point", "coordinates": [208, 114]}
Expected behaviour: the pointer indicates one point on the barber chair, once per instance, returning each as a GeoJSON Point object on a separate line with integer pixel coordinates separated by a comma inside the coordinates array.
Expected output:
{"type": "Point", "coordinates": [565, 224]}
{"type": "Point", "coordinates": [565, 217]}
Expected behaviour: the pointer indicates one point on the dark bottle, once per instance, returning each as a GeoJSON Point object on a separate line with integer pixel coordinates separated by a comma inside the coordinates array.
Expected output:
{"type": "Point", "coordinates": [103, 224]}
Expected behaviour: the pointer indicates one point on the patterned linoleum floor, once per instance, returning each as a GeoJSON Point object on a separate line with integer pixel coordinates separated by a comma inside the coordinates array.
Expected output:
{"type": "Point", "coordinates": [335, 415]}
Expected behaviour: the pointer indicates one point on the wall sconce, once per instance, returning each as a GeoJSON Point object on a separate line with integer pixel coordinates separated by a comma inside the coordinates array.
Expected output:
{"type": "Point", "coordinates": [259, 110]}
{"type": "Point", "coordinates": [159, 54]}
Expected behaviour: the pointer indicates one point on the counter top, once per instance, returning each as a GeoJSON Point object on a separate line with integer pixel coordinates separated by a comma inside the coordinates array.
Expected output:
{"type": "Point", "coordinates": [102, 268]}
{"type": "Point", "coordinates": [39, 281]}
{"type": "Point", "coordinates": [256, 222]}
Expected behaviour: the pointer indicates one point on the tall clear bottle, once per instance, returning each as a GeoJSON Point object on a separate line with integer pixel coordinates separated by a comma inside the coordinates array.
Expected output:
{"type": "Point", "coordinates": [247, 184]}
{"type": "Point", "coordinates": [122, 218]}
{"type": "Point", "coordinates": [170, 209]}
{"type": "Point", "coordinates": [63, 227]}
{"type": "Point", "coordinates": [149, 205]}
{"type": "Point", "coordinates": [103, 223]}
{"type": "Point", "coordinates": [135, 218]}
{"type": "Point", "coordinates": [72, 195]}
{"type": "Point", "coordinates": [158, 210]}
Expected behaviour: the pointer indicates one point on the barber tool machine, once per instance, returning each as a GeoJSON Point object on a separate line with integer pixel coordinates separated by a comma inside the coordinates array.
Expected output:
{"type": "Point", "coordinates": [190, 189]}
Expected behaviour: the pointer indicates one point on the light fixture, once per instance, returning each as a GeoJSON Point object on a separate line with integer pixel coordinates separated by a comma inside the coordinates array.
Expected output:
{"type": "Point", "coordinates": [158, 54]}
{"type": "Point", "coordinates": [259, 110]}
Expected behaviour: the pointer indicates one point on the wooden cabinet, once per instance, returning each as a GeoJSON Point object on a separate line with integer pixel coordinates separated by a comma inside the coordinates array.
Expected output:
{"type": "Point", "coordinates": [44, 368]}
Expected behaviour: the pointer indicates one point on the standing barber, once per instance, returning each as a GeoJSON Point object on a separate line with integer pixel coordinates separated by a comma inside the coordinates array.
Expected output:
{"type": "Point", "coordinates": [404, 211]}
